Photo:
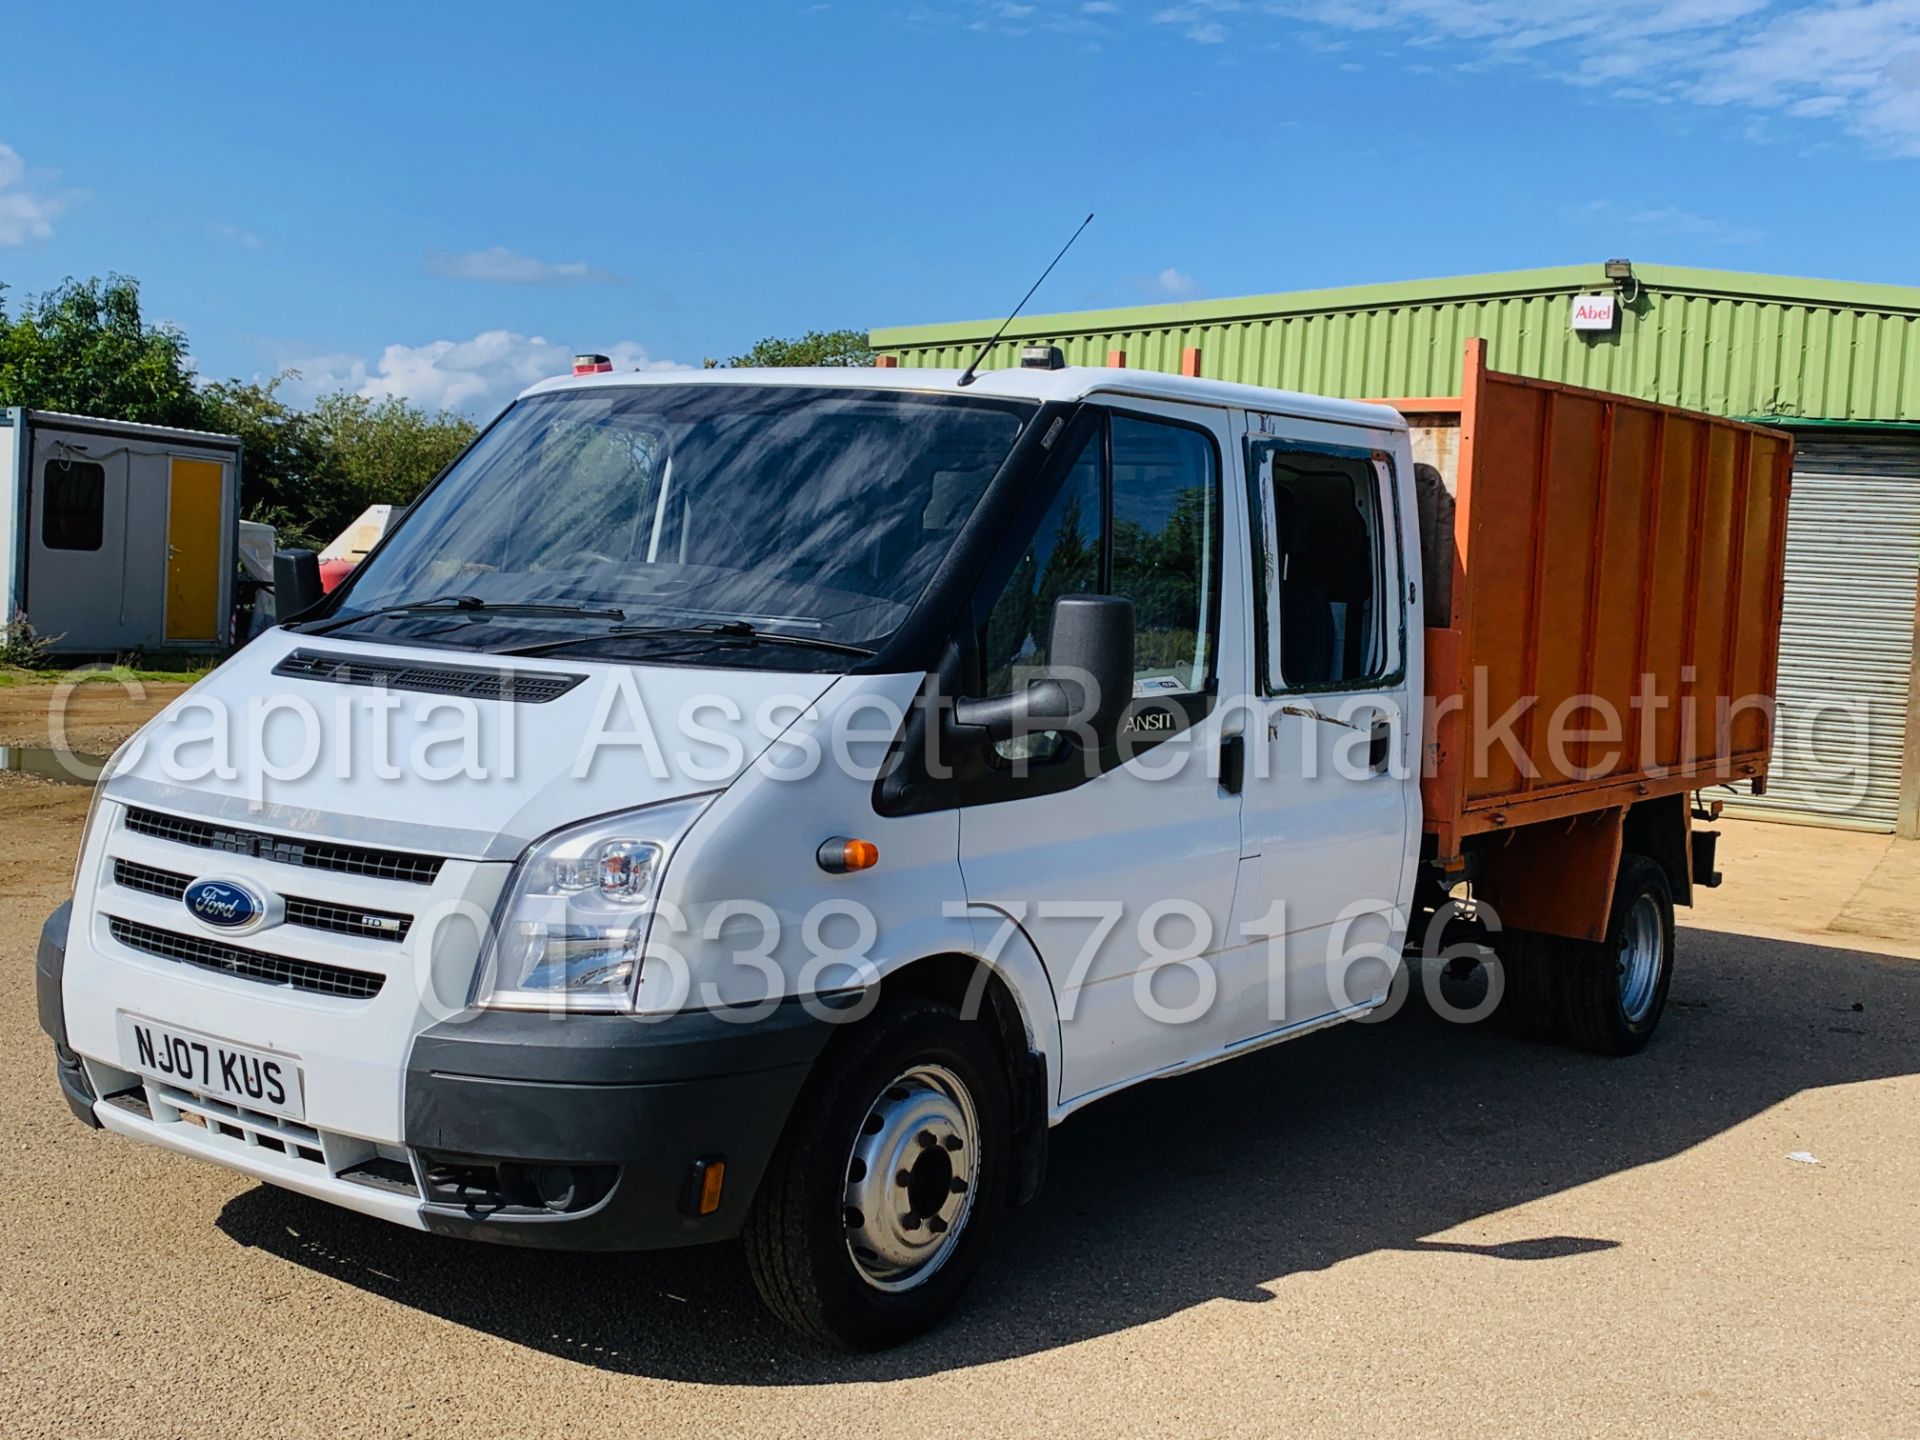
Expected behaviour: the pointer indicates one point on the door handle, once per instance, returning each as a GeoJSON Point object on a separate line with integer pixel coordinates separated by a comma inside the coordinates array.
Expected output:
{"type": "Point", "coordinates": [1233, 763]}
{"type": "Point", "coordinates": [1379, 744]}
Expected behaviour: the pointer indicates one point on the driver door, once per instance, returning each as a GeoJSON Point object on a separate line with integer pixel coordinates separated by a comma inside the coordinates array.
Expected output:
{"type": "Point", "coordinates": [1123, 880]}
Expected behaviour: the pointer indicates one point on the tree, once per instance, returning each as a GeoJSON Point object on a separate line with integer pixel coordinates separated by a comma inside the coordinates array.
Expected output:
{"type": "Point", "coordinates": [816, 347]}
{"type": "Point", "coordinates": [278, 457]}
{"type": "Point", "coordinates": [370, 452]}
{"type": "Point", "coordinates": [308, 473]}
{"type": "Point", "coordinates": [84, 347]}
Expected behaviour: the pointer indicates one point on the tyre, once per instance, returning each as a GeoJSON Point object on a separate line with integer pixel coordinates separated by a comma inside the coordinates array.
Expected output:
{"type": "Point", "coordinates": [884, 1194]}
{"type": "Point", "coordinates": [1529, 1007]}
{"type": "Point", "coordinates": [1612, 994]}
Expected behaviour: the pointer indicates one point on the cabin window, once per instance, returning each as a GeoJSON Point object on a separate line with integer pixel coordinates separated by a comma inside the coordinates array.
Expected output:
{"type": "Point", "coordinates": [1137, 515]}
{"type": "Point", "coordinates": [1064, 559]}
{"type": "Point", "coordinates": [1164, 524]}
{"type": "Point", "coordinates": [1321, 571]}
{"type": "Point", "coordinates": [74, 504]}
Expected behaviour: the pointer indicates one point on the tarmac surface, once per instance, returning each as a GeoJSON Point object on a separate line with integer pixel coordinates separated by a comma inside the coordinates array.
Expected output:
{"type": "Point", "coordinates": [1403, 1227]}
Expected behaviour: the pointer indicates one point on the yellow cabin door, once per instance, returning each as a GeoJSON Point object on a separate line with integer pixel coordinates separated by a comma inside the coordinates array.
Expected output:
{"type": "Point", "coordinates": [194, 515]}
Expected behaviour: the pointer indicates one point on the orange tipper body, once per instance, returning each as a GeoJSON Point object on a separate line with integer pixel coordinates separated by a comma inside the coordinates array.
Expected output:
{"type": "Point", "coordinates": [1613, 629]}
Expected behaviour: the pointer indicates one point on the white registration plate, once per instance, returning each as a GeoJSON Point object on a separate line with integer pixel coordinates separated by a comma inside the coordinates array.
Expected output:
{"type": "Point", "coordinates": [238, 1074]}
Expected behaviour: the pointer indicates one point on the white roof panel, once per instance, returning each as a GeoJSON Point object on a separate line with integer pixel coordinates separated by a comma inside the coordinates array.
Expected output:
{"type": "Point", "coordinates": [1074, 382]}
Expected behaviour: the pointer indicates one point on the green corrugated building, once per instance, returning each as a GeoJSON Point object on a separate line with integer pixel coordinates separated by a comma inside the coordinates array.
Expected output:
{"type": "Point", "coordinates": [1836, 362]}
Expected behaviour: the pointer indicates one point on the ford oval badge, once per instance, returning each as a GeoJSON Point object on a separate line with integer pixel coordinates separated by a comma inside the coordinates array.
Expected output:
{"type": "Point", "coordinates": [224, 904]}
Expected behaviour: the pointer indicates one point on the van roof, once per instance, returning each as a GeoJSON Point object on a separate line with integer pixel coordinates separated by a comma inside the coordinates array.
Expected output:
{"type": "Point", "coordinates": [1074, 382]}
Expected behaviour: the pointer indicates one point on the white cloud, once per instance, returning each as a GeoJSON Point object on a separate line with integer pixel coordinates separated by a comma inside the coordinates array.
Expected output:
{"type": "Point", "coordinates": [25, 213]}
{"type": "Point", "coordinates": [1672, 220]}
{"type": "Point", "coordinates": [477, 376]}
{"type": "Point", "coordinates": [234, 235]}
{"type": "Point", "coordinates": [501, 266]}
{"type": "Point", "coordinates": [1088, 21]}
{"type": "Point", "coordinates": [1196, 21]}
{"type": "Point", "coordinates": [1851, 64]}
{"type": "Point", "coordinates": [1170, 284]}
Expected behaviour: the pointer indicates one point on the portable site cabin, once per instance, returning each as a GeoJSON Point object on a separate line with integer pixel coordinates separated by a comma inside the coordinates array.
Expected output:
{"type": "Point", "coordinates": [116, 536]}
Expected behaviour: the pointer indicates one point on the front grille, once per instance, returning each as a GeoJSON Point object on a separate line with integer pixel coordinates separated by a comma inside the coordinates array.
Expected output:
{"type": "Point", "coordinates": [348, 919]}
{"type": "Point", "coordinates": [305, 975]}
{"type": "Point", "coordinates": [164, 883]}
{"type": "Point", "coordinates": [527, 687]}
{"type": "Point", "coordinates": [313, 914]}
{"type": "Point", "coordinates": [314, 854]}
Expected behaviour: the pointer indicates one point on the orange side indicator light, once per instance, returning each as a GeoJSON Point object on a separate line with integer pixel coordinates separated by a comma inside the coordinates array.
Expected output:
{"type": "Point", "coordinates": [713, 1179]}
{"type": "Point", "coordinates": [841, 856]}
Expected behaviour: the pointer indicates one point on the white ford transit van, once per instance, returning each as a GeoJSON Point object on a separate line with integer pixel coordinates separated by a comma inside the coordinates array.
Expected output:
{"type": "Point", "coordinates": [760, 804]}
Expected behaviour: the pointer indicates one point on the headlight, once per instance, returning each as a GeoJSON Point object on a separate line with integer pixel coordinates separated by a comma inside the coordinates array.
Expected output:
{"type": "Point", "coordinates": [573, 923]}
{"type": "Point", "coordinates": [93, 810]}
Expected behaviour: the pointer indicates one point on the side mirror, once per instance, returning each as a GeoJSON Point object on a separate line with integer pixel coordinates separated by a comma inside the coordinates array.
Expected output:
{"type": "Point", "coordinates": [296, 583]}
{"type": "Point", "coordinates": [1087, 683]}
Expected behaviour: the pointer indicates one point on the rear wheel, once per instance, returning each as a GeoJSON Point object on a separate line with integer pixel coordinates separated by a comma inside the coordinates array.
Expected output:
{"type": "Point", "coordinates": [1529, 1006]}
{"type": "Point", "coordinates": [883, 1197]}
{"type": "Point", "coordinates": [1613, 993]}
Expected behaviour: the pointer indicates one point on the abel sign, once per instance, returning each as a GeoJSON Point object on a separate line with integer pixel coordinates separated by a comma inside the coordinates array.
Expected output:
{"type": "Point", "coordinates": [1593, 312]}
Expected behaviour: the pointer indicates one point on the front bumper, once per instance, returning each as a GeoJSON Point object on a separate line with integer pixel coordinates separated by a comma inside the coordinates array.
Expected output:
{"type": "Point", "coordinates": [496, 1101]}
{"type": "Point", "coordinates": [569, 1132]}
{"type": "Point", "coordinates": [48, 962]}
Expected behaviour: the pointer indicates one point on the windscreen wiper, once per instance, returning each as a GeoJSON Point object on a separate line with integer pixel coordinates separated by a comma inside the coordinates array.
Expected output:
{"type": "Point", "coordinates": [467, 605]}
{"type": "Point", "coordinates": [722, 630]}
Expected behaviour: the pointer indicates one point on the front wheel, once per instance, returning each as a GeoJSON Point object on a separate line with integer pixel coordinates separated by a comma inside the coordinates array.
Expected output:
{"type": "Point", "coordinates": [1614, 992]}
{"type": "Point", "coordinates": [882, 1199]}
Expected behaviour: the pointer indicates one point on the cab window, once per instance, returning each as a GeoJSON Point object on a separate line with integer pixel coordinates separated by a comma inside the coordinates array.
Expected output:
{"type": "Point", "coordinates": [1163, 547]}
{"type": "Point", "coordinates": [1137, 514]}
{"type": "Point", "coordinates": [1321, 570]}
{"type": "Point", "coordinates": [1064, 559]}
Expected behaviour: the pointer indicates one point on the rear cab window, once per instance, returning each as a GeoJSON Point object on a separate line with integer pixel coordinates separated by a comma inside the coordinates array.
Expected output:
{"type": "Point", "coordinates": [1325, 567]}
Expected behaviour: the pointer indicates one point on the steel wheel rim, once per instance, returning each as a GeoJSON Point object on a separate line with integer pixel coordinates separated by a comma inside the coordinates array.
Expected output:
{"type": "Point", "coordinates": [1641, 943]}
{"type": "Point", "coordinates": [911, 1176]}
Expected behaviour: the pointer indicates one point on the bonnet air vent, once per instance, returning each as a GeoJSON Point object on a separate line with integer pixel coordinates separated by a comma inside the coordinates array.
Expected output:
{"type": "Point", "coordinates": [527, 687]}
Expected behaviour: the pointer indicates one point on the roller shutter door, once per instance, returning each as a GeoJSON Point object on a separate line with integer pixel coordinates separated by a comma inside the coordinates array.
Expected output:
{"type": "Point", "coordinates": [1847, 637]}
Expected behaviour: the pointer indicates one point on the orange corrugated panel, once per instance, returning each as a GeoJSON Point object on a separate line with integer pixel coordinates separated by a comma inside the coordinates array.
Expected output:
{"type": "Point", "coordinates": [1616, 611]}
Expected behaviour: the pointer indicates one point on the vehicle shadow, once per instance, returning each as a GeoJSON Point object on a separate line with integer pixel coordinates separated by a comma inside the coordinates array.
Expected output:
{"type": "Point", "coordinates": [1214, 1185]}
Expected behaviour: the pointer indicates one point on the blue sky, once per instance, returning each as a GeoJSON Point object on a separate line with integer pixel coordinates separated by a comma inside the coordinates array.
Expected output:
{"type": "Point", "coordinates": [446, 201]}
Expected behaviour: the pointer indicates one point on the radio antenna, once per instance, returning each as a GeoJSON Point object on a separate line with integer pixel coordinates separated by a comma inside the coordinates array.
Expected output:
{"type": "Point", "coordinates": [967, 376]}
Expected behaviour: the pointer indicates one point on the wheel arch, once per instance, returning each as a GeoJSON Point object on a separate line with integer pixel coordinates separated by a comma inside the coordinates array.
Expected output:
{"type": "Point", "coordinates": [1662, 830]}
{"type": "Point", "coordinates": [1556, 877]}
{"type": "Point", "coordinates": [1004, 998]}
{"type": "Point", "coordinates": [987, 940]}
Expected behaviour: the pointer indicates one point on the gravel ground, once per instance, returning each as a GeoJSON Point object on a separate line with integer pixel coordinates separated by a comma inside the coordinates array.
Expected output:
{"type": "Point", "coordinates": [94, 717]}
{"type": "Point", "coordinates": [1401, 1227]}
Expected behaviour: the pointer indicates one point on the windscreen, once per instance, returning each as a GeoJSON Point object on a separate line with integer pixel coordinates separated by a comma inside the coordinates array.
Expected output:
{"type": "Point", "coordinates": [801, 511]}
